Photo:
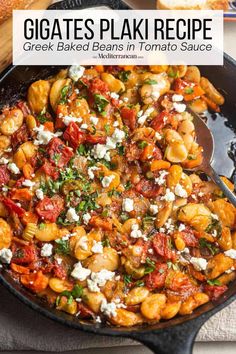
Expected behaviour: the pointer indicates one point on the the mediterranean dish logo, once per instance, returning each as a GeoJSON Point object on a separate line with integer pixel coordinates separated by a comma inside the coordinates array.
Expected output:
{"type": "Point", "coordinates": [117, 37]}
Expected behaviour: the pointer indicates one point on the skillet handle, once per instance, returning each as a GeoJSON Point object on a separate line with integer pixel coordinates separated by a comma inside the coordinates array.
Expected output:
{"type": "Point", "coordinates": [171, 340]}
{"type": "Point", "coordinates": [83, 4]}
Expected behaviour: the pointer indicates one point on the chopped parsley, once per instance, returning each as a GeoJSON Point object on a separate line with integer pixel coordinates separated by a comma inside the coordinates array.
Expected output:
{"type": "Point", "coordinates": [128, 185]}
{"type": "Point", "coordinates": [64, 93]}
{"type": "Point", "coordinates": [121, 150]}
{"type": "Point", "coordinates": [142, 144]}
{"type": "Point", "coordinates": [42, 118]}
{"type": "Point", "coordinates": [150, 82]}
{"type": "Point", "coordinates": [101, 102]}
{"type": "Point", "coordinates": [105, 242]}
{"type": "Point", "coordinates": [150, 266]}
{"type": "Point", "coordinates": [107, 128]}
{"type": "Point", "coordinates": [215, 226]}
{"type": "Point", "coordinates": [124, 75]}
{"type": "Point", "coordinates": [139, 283]}
{"type": "Point", "coordinates": [189, 90]}
{"type": "Point", "coordinates": [211, 247]}
{"type": "Point", "coordinates": [76, 293]}
{"type": "Point", "coordinates": [213, 282]}
{"type": "Point", "coordinates": [62, 246]}
{"type": "Point", "coordinates": [127, 279]}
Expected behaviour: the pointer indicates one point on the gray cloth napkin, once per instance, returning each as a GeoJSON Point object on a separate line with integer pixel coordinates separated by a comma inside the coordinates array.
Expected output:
{"type": "Point", "coordinates": [24, 329]}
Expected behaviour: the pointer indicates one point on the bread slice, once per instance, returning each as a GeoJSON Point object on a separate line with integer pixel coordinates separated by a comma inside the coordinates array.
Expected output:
{"type": "Point", "coordinates": [218, 4]}
{"type": "Point", "coordinates": [181, 4]}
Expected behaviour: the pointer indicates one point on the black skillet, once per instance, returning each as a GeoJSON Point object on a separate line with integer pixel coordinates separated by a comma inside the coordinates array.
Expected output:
{"type": "Point", "coordinates": [177, 335]}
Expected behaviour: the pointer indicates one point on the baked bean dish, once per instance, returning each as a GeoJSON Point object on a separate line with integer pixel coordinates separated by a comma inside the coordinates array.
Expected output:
{"type": "Point", "coordinates": [101, 214]}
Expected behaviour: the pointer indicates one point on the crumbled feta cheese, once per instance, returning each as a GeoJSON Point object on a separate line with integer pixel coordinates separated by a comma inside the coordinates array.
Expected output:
{"type": "Point", "coordinates": [169, 196]}
{"type": "Point", "coordinates": [3, 161]}
{"type": "Point", "coordinates": [71, 215]}
{"type": "Point", "coordinates": [76, 72]}
{"type": "Point", "coordinates": [169, 226]}
{"type": "Point", "coordinates": [143, 117]}
{"type": "Point", "coordinates": [99, 279]}
{"type": "Point", "coordinates": [90, 171]}
{"type": "Point", "coordinates": [5, 255]}
{"type": "Point", "coordinates": [116, 124]}
{"type": "Point", "coordinates": [39, 194]}
{"type": "Point", "coordinates": [158, 136]}
{"type": "Point", "coordinates": [86, 218]}
{"type": "Point", "coordinates": [59, 260]}
{"type": "Point", "coordinates": [28, 183]}
{"type": "Point", "coordinates": [200, 194]}
{"type": "Point", "coordinates": [98, 319]}
{"type": "Point", "coordinates": [46, 250]}
{"type": "Point", "coordinates": [92, 286]}
{"type": "Point", "coordinates": [179, 107]}
{"type": "Point", "coordinates": [180, 191]}
{"type": "Point", "coordinates": [114, 95]}
{"type": "Point", "coordinates": [97, 247]}
{"type": "Point", "coordinates": [109, 309]}
{"type": "Point", "coordinates": [99, 151]}
{"type": "Point", "coordinates": [128, 204]}
{"type": "Point", "coordinates": [231, 253]}
{"type": "Point", "coordinates": [181, 227]}
{"type": "Point", "coordinates": [107, 156]}
{"type": "Point", "coordinates": [177, 98]}
{"type": "Point", "coordinates": [44, 136]}
{"type": "Point", "coordinates": [153, 209]}
{"type": "Point", "coordinates": [79, 272]}
{"type": "Point", "coordinates": [13, 168]}
{"type": "Point", "coordinates": [84, 126]}
{"type": "Point", "coordinates": [228, 271]}
{"type": "Point", "coordinates": [135, 233]}
{"type": "Point", "coordinates": [160, 180]}
{"type": "Point", "coordinates": [198, 263]}
{"type": "Point", "coordinates": [68, 119]}
{"type": "Point", "coordinates": [214, 216]}
{"type": "Point", "coordinates": [94, 120]}
{"type": "Point", "coordinates": [106, 181]}
{"type": "Point", "coordinates": [83, 243]}
{"type": "Point", "coordinates": [118, 135]}
{"type": "Point", "coordinates": [110, 143]}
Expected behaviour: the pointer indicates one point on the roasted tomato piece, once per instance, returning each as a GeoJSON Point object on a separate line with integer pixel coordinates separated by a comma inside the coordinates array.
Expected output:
{"type": "Point", "coordinates": [180, 285]}
{"type": "Point", "coordinates": [50, 170]}
{"type": "Point", "coordinates": [24, 107]}
{"type": "Point", "coordinates": [4, 175]}
{"type": "Point", "coordinates": [129, 117]}
{"type": "Point", "coordinates": [36, 282]}
{"type": "Point", "coordinates": [148, 188]}
{"type": "Point", "coordinates": [189, 238]}
{"type": "Point", "coordinates": [179, 85]}
{"type": "Point", "coordinates": [59, 153]}
{"type": "Point", "coordinates": [160, 121]}
{"type": "Point", "coordinates": [25, 255]}
{"type": "Point", "coordinates": [95, 139]}
{"type": "Point", "coordinates": [84, 311]}
{"type": "Point", "coordinates": [156, 279]}
{"type": "Point", "coordinates": [97, 86]}
{"type": "Point", "coordinates": [59, 271]}
{"type": "Point", "coordinates": [162, 246]}
{"type": "Point", "coordinates": [104, 224]}
{"type": "Point", "coordinates": [50, 208]}
{"type": "Point", "coordinates": [215, 291]}
{"type": "Point", "coordinates": [74, 135]}
{"type": "Point", "coordinates": [13, 207]}
{"type": "Point", "coordinates": [133, 152]}
{"type": "Point", "coordinates": [20, 136]}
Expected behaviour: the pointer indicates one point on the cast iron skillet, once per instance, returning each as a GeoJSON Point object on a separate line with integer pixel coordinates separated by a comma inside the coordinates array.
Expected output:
{"type": "Point", "coordinates": [177, 335]}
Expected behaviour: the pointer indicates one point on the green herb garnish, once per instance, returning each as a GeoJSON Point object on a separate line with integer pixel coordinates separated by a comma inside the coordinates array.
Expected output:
{"type": "Point", "coordinates": [124, 75]}
{"type": "Point", "coordinates": [211, 247]}
{"type": "Point", "coordinates": [150, 82]}
{"type": "Point", "coordinates": [127, 279]}
{"type": "Point", "coordinates": [63, 246]}
{"type": "Point", "coordinates": [150, 266]}
{"type": "Point", "coordinates": [189, 90]}
{"type": "Point", "coordinates": [142, 144]}
{"type": "Point", "coordinates": [64, 92]}
{"type": "Point", "coordinates": [101, 102]}
{"type": "Point", "coordinates": [213, 282]}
